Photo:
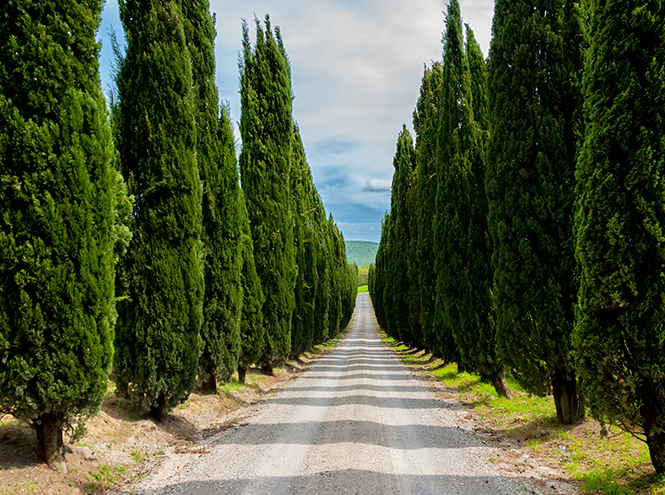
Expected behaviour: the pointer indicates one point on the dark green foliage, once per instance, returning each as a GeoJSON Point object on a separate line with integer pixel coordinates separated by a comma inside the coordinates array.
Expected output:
{"type": "Point", "coordinates": [335, 265]}
{"type": "Point", "coordinates": [456, 131]}
{"type": "Point", "coordinates": [323, 270]}
{"type": "Point", "coordinates": [534, 93]}
{"type": "Point", "coordinates": [303, 192]}
{"type": "Point", "coordinates": [265, 166]}
{"type": "Point", "coordinates": [413, 259]}
{"type": "Point", "coordinates": [391, 288]}
{"type": "Point", "coordinates": [220, 332]}
{"type": "Point", "coordinates": [398, 310]}
{"type": "Point", "coordinates": [478, 75]}
{"type": "Point", "coordinates": [252, 337]}
{"type": "Point", "coordinates": [348, 275]}
{"type": "Point", "coordinates": [620, 220]}
{"type": "Point", "coordinates": [157, 338]}
{"type": "Point", "coordinates": [378, 280]}
{"type": "Point", "coordinates": [426, 124]}
{"type": "Point", "coordinates": [464, 274]}
{"type": "Point", "coordinates": [62, 202]}
{"type": "Point", "coordinates": [349, 293]}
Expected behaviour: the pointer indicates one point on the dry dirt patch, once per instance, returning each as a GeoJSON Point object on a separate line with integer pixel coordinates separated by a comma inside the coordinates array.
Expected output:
{"type": "Point", "coordinates": [121, 447]}
{"type": "Point", "coordinates": [557, 459]}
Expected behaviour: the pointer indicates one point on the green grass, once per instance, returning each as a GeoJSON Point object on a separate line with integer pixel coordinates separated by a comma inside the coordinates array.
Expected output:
{"type": "Point", "coordinates": [363, 288]}
{"type": "Point", "coordinates": [105, 478]}
{"type": "Point", "coordinates": [615, 464]}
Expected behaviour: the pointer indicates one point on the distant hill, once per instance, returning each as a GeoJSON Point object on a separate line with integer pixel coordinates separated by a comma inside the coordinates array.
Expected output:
{"type": "Point", "coordinates": [361, 252]}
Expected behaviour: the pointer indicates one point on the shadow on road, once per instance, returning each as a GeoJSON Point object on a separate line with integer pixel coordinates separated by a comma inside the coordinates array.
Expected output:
{"type": "Point", "coordinates": [354, 481]}
{"type": "Point", "coordinates": [404, 437]}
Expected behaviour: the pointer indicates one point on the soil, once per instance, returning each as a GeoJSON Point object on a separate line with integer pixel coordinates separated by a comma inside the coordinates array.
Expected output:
{"type": "Point", "coordinates": [122, 450]}
{"type": "Point", "coordinates": [357, 422]}
{"type": "Point", "coordinates": [120, 447]}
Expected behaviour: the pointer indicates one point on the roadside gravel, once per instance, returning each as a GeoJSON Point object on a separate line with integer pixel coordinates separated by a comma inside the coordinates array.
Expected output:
{"type": "Point", "coordinates": [357, 422]}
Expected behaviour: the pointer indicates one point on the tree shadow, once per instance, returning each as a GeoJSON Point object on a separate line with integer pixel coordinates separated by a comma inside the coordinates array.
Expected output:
{"type": "Point", "coordinates": [360, 481]}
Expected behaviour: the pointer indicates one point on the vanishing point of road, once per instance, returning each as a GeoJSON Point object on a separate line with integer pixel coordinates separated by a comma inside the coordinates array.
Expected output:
{"type": "Point", "coordinates": [358, 422]}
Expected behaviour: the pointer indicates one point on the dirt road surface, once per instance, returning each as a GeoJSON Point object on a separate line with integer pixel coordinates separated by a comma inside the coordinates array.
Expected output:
{"type": "Point", "coordinates": [358, 422]}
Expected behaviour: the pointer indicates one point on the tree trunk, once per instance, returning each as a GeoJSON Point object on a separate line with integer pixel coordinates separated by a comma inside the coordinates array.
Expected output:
{"type": "Point", "coordinates": [48, 428]}
{"type": "Point", "coordinates": [157, 412]}
{"type": "Point", "coordinates": [649, 410]}
{"type": "Point", "coordinates": [656, 444]}
{"type": "Point", "coordinates": [500, 385]}
{"type": "Point", "coordinates": [242, 372]}
{"type": "Point", "coordinates": [209, 386]}
{"type": "Point", "coordinates": [267, 370]}
{"type": "Point", "coordinates": [569, 406]}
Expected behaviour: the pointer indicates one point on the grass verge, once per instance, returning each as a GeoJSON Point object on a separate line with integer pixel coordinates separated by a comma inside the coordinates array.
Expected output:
{"type": "Point", "coordinates": [531, 443]}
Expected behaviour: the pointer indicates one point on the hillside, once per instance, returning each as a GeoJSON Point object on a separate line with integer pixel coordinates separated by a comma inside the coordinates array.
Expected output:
{"type": "Point", "coordinates": [361, 252]}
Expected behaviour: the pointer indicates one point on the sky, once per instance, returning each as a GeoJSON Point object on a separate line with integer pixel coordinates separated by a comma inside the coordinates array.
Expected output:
{"type": "Point", "coordinates": [356, 68]}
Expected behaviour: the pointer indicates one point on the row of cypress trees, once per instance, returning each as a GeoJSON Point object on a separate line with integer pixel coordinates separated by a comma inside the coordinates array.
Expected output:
{"type": "Point", "coordinates": [308, 286]}
{"type": "Point", "coordinates": [127, 243]}
{"type": "Point", "coordinates": [525, 233]}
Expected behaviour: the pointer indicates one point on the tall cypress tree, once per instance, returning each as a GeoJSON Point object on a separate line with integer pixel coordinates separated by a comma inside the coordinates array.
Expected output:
{"type": "Point", "coordinates": [220, 332]}
{"type": "Point", "coordinates": [323, 269]}
{"type": "Point", "coordinates": [157, 338]}
{"type": "Point", "coordinates": [252, 335]}
{"type": "Point", "coordinates": [478, 79]}
{"type": "Point", "coordinates": [265, 165]}
{"type": "Point", "coordinates": [61, 198]}
{"type": "Point", "coordinates": [397, 307]}
{"type": "Point", "coordinates": [303, 191]}
{"type": "Point", "coordinates": [379, 287]}
{"type": "Point", "coordinates": [413, 259]}
{"type": "Point", "coordinates": [448, 242]}
{"type": "Point", "coordinates": [464, 275]}
{"type": "Point", "coordinates": [620, 221]}
{"type": "Point", "coordinates": [335, 297]}
{"type": "Point", "coordinates": [534, 71]}
{"type": "Point", "coordinates": [426, 125]}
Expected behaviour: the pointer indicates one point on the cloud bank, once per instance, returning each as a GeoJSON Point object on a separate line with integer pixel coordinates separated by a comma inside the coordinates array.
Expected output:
{"type": "Point", "coordinates": [356, 71]}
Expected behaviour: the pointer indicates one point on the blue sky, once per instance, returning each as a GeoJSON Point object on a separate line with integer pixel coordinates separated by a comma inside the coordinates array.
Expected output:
{"type": "Point", "coordinates": [356, 70]}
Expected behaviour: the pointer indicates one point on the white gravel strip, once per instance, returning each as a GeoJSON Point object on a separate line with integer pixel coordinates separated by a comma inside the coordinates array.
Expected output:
{"type": "Point", "coordinates": [357, 422]}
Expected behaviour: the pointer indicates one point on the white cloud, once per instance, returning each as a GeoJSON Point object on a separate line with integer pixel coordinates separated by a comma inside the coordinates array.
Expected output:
{"type": "Point", "coordinates": [356, 67]}
{"type": "Point", "coordinates": [377, 185]}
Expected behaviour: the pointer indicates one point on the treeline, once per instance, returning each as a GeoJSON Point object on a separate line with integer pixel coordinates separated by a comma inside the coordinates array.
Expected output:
{"type": "Point", "coordinates": [526, 227]}
{"type": "Point", "coordinates": [130, 248]}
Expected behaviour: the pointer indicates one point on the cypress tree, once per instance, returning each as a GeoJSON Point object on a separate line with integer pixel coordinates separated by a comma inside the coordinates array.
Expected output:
{"type": "Point", "coordinates": [348, 279]}
{"type": "Point", "coordinates": [252, 335]}
{"type": "Point", "coordinates": [62, 201]}
{"type": "Point", "coordinates": [302, 189]}
{"type": "Point", "coordinates": [398, 308]}
{"type": "Point", "coordinates": [447, 221]}
{"type": "Point", "coordinates": [350, 289]}
{"type": "Point", "coordinates": [157, 338]}
{"type": "Point", "coordinates": [335, 295]}
{"type": "Point", "coordinates": [534, 92]}
{"type": "Point", "coordinates": [378, 288]}
{"type": "Point", "coordinates": [323, 269]}
{"type": "Point", "coordinates": [478, 78]}
{"type": "Point", "coordinates": [413, 258]}
{"type": "Point", "coordinates": [426, 125]}
{"type": "Point", "coordinates": [220, 332]}
{"type": "Point", "coordinates": [620, 221]}
{"type": "Point", "coordinates": [464, 276]}
{"type": "Point", "coordinates": [265, 167]}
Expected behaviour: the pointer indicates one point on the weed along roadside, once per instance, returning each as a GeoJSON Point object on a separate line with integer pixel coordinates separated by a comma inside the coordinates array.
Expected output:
{"type": "Point", "coordinates": [531, 443]}
{"type": "Point", "coordinates": [121, 447]}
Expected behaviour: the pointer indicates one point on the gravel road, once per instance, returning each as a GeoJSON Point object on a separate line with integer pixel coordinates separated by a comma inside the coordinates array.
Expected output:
{"type": "Point", "coordinates": [357, 422]}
